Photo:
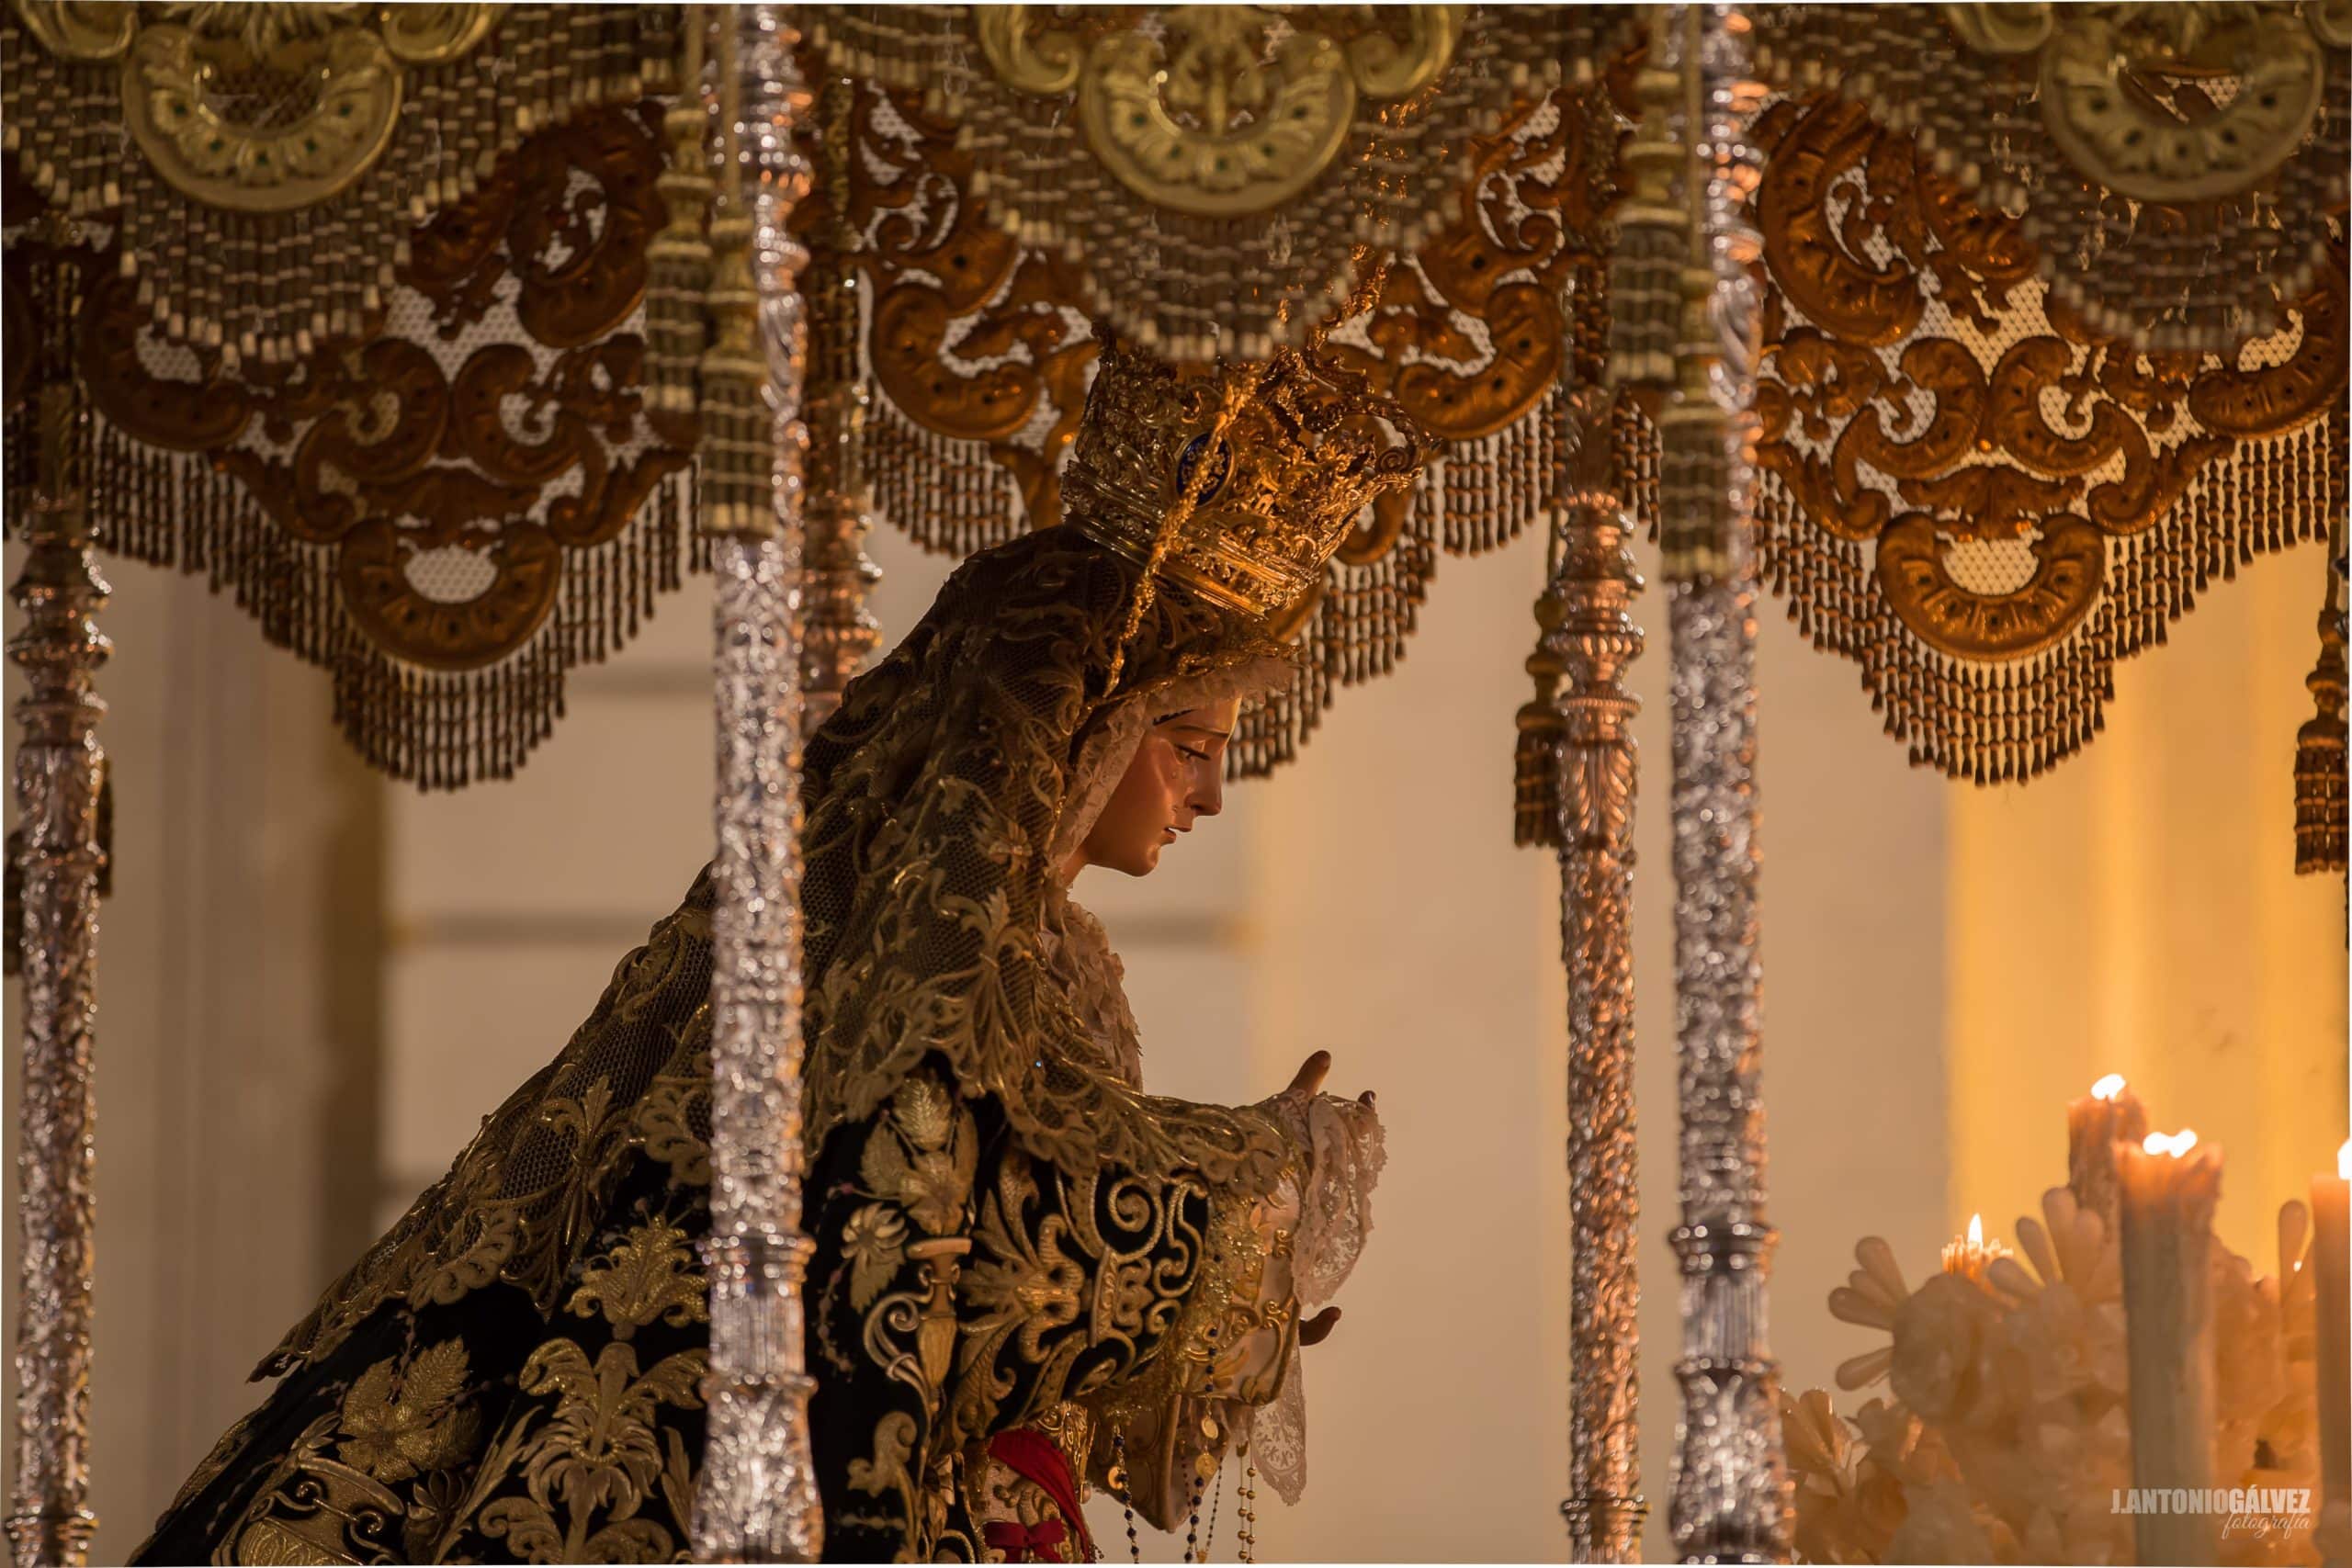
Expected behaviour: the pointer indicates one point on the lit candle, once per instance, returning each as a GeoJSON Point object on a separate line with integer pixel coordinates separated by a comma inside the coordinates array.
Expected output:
{"type": "Point", "coordinates": [2332, 1294]}
{"type": "Point", "coordinates": [1975, 1254]}
{"type": "Point", "coordinates": [2109, 1114]}
{"type": "Point", "coordinates": [2168, 1187]}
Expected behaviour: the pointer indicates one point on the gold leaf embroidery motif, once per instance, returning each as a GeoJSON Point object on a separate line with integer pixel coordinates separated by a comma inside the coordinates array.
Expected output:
{"type": "Point", "coordinates": [894, 1444]}
{"type": "Point", "coordinates": [924, 1112]}
{"type": "Point", "coordinates": [588, 1471]}
{"type": "Point", "coordinates": [648, 1277]}
{"type": "Point", "coordinates": [922, 1156]}
{"type": "Point", "coordinates": [873, 1240]}
{"type": "Point", "coordinates": [1024, 1279]}
{"type": "Point", "coordinates": [397, 1422]}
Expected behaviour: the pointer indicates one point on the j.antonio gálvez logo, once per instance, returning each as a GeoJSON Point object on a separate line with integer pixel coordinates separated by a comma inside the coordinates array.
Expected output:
{"type": "Point", "coordinates": [2253, 1509]}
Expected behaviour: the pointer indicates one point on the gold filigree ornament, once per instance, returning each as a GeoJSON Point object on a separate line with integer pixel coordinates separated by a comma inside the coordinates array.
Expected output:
{"type": "Point", "coordinates": [2144, 149]}
{"type": "Point", "coordinates": [1209, 169]}
{"type": "Point", "coordinates": [277, 153]}
{"type": "Point", "coordinates": [1197, 118]}
{"type": "Point", "coordinates": [1979, 497]}
{"type": "Point", "coordinates": [80, 29]}
{"type": "Point", "coordinates": [265, 108]}
{"type": "Point", "coordinates": [2175, 166]}
{"type": "Point", "coordinates": [1239, 483]}
{"type": "Point", "coordinates": [331, 99]}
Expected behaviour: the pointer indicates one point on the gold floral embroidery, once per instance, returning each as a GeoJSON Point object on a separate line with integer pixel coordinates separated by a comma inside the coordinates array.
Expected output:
{"type": "Point", "coordinates": [922, 1156]}
{"type": "Point", "coordinates": [475, 1248]}
{"type": "Point", "coordinates": [397, 1421]}
{"type": "Point", "coordinates": [649, 1276]}
{"type": "Point", "coordinates": [589, 1471]}
{"type": "Point", "coordinates": [874, 1240]}
{"type": "Point", "coordinates": [1025, 1287]}
{"type": "Point", "coordinates": [894, 1444]}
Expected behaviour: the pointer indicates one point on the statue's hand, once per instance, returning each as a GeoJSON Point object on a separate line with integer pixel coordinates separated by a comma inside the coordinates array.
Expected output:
{"type": "Point", "coordinates": [1317, 1329]}
{"type": "Point", "coordinates": [1308, 1081]}
{"type": "Point", "coordinates": [1311, 1073]}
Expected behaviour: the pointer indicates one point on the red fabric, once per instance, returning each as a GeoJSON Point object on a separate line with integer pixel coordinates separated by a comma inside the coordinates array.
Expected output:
{"type": "Point", "coordinates": [1030, 1456]}
{"type": "Point", "coordinates": [1041, 1542]}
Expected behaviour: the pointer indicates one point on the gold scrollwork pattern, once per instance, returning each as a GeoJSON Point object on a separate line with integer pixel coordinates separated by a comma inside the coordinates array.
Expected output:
{"type": "Point", "coordinates": [2175, 169]}
{"type": "Point", "coordinates": [1207, 172]}
{"type": "Point", "coordinates": [1975, 494]}
{"type": "Point", "coordinates": [971, 341]}
{"type": "Point", "coordinates": [278, 155]}
{"type": "Point", "coordinates": [451, 508]}
{"type": "Point", "coordinates": [982, 367]}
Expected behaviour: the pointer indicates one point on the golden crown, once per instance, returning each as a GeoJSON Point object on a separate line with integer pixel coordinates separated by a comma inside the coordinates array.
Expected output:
{"type": "Point", "coordinates": [1239, 479]}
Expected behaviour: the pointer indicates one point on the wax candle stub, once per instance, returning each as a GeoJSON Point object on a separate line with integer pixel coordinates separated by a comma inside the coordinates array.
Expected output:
{"type": "Point", "coordinates": [2098, 1125]}
{"type": "Point", "coordinates": [2169, 1184]}
{"type": "Point", "coordinates": [1973, 1254]}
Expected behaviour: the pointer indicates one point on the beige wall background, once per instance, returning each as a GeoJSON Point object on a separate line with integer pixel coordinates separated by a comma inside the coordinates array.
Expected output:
{"type": "Point", "coordinates": [315, 983]}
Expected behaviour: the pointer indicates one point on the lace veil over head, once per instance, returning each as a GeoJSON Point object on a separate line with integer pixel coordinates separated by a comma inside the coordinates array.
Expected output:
{"type": "Point", "coordinates": [953, 780]}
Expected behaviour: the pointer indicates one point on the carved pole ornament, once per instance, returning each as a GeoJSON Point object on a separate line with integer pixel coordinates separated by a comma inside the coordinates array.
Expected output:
{"type": "Point", "coordinates": [838, 575]}
{"type": "Point", "coordinates": [1590, 635]}
{"type": "Point", "coordinates": [757, 1501]}
{"type": "Point", "coordinates": [58, 767]}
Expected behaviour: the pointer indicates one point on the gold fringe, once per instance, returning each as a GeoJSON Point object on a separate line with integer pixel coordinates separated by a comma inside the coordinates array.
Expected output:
{"type": "Point", "coordinates": [950, 497]}
{"type": "Point", "coordinates": [2003, 722]}
{"type": "Point", "coordinates": [438, 729]}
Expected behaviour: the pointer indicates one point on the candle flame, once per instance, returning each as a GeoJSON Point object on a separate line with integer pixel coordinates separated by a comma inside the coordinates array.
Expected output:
{"type": "Point", "coordinates": [2109, 1087]}
{"type": "Point", "coordinates": [1975, 1230]}
{"type": "Point", "coordinates": [2174, 1144]}
{"type": "Point", "coordinates": [2343, 1161]}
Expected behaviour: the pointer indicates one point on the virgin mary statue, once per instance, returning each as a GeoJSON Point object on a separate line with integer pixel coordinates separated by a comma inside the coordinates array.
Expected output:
{"type": "Point", "coordinates": [1030, 1277]}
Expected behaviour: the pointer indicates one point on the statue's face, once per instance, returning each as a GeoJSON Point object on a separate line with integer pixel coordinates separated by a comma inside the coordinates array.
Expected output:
{"type": "Point", "coordinates": [1176, 778]}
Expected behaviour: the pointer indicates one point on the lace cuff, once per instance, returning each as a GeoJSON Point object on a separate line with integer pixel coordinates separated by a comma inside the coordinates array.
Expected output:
{"type": "Point", "coordinates": [1345, 1150]}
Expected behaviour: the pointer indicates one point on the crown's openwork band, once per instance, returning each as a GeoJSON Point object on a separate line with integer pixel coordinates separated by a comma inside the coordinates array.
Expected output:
{"type": "Point", "coordinates": [1239, 481]}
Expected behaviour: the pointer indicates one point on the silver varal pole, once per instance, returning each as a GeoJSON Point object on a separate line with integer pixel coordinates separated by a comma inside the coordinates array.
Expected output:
{"type": "Point", "coordinates": [57, 776]}
{"type": "Point", "coordinates": [757, 1501]}
{"type": "Point", "coordinates": [1730, 1500]}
